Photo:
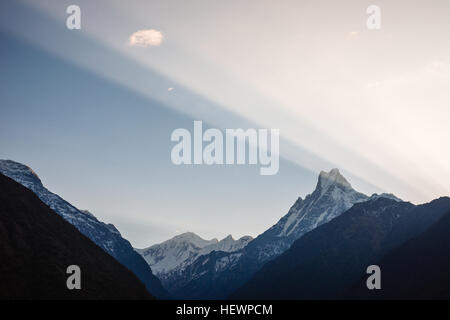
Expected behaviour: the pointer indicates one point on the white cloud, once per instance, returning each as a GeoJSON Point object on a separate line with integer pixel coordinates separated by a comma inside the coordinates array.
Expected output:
{"type": "Point", "coordinates": [353, 35]}
{"type": "Point", "coordinates": [145, 38]}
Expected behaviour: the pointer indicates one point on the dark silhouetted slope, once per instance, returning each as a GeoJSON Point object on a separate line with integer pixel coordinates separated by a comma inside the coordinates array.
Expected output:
{"type": "Point", "coordinates": [106, 236]}
{"type": "Point", "coordinates": [418, 269]}
{"type": "Point", "coordinates": [37, 245]}
{"type": "Point", "coordinates": [326, 262]}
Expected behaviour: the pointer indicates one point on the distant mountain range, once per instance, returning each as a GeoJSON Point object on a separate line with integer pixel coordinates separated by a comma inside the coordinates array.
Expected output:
{"type": "Point", "coordinates": [169, 258]}
{"type": "Point", "coordinates": [319, 250]}
{"type": "Point", "coordinates": [219, 273]}
{"type": "Point", "coordinates": [106, 236]}
{"type": "Point", "coordinates": [37, 246]}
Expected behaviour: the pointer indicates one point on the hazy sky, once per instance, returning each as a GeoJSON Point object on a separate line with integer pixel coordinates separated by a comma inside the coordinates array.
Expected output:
{"type": "Point", "coordinates": [92, 113]}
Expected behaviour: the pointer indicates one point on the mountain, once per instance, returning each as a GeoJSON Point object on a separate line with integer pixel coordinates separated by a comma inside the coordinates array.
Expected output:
{"type": "Point", "coordinates": [169, 258]}
{"type": "Point", "coordinates": [326, 262]}
{"type": "Point", "coordinates": [332, 196]}
{"type": "Point", "coordinates": [418, 269]}
{"type": "Point", "coordinates": [218, 274]}
{"type": "Point", "coordinates": [106, 236]}
{"type": "Point", "coordinates": [38, 246]}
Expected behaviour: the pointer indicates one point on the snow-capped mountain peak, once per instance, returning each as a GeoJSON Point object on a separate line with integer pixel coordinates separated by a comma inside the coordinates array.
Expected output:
{"type": "Point", "coordinates": [192, 238]}
{"type": "Point", "coordinates": [217, 274]}
{"type": "Point", "coordinates": [328, 179]}
{"type": "Point", "coordinates": [227, 244]}
{"type": "Point", "coordinates": [178, 251]}
{"type": "Point", "coordinates": [332, 196]}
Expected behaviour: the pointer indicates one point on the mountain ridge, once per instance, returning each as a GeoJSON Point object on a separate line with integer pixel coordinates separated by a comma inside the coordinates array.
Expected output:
{"type": "Point", "coordinates": [417, 269]}
{"type": "Point", "coordinates": [38, 246]}
{"type": "Point", "coordinates": [170, 257]}
{"type": "Point", "coordinates": [104, 235]}
{"type": "Point", "coordinates": [216, 275]}
{"type": "Point", "coordinates": [327, 261]}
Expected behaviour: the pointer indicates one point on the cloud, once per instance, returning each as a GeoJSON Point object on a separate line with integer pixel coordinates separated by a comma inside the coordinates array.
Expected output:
{"type": "Point", "coordinates": [353, 35]}
{"type": "Point", "coordinates": [145, 38]}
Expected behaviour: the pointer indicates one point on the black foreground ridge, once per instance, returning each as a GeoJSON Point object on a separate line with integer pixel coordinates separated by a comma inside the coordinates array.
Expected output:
{"type": "Point", "coordinates": [38, 246]}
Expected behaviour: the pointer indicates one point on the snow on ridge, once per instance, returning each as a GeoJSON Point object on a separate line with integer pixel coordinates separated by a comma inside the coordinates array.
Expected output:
{"type": "Point", "coordinates": [333, 195]}
{"type": "Point", "coordinates": [181, 250]}
{"type": "Point", "coordinates": [21, 174]}
{"type": "Point", "coordinates": [376, 196]}
{"type": "Point", "coordinates": [83, 220]}
{"type": "Point", "coordinates": [328, 179]}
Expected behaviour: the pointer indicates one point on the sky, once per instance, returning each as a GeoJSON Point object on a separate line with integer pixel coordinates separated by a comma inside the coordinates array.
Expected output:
{"type": "Point", "coordinates": [92, 110]}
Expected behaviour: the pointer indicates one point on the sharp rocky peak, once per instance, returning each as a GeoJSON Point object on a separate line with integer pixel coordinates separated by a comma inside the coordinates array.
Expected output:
{"type": "Point", "coordinates": [332, 178]}
{"type": "Point", "coordinates": [228, 238]}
